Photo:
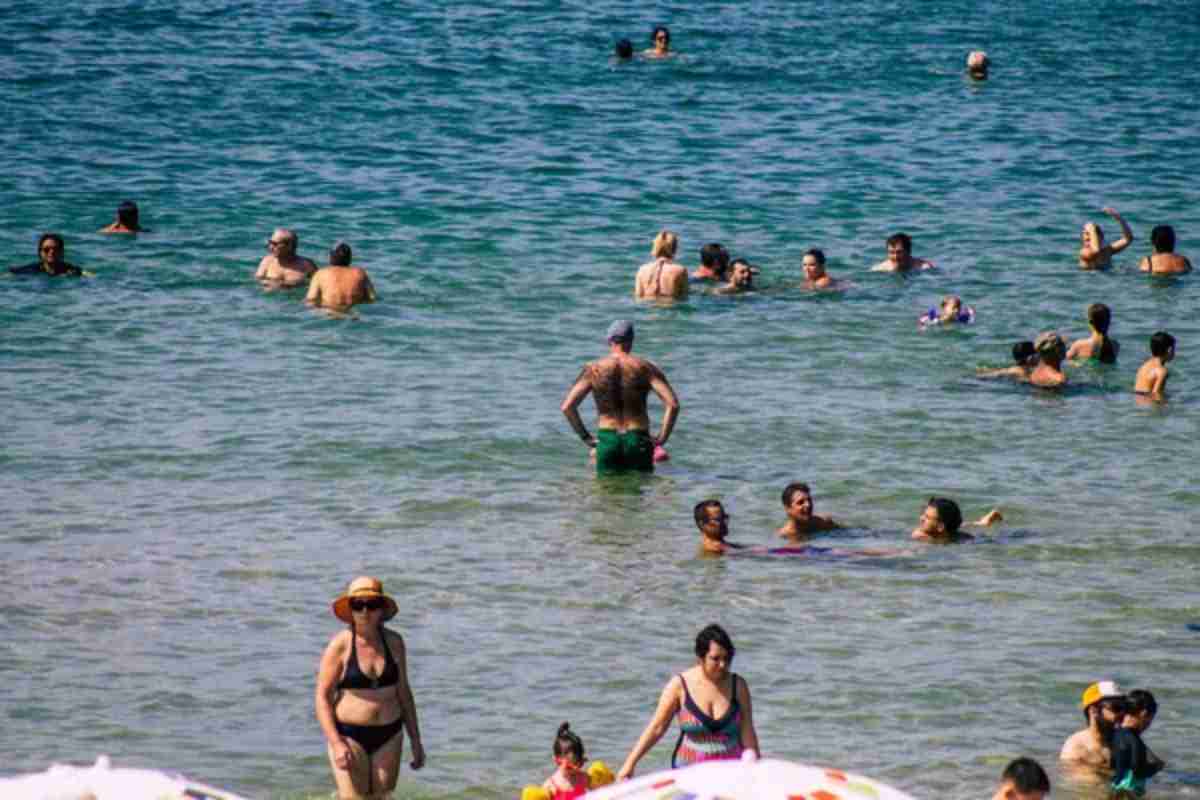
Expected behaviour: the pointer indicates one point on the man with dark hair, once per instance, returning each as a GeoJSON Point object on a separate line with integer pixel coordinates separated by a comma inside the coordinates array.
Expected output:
{"type": "Point", "coordinates": [339, 286]}
{"type": "Point", "coordinates": [1103, 705]}
{"type": "Point", "coordinates": [714, 261]}
{"type": "Point", "coordinates": [713, 523]}
{"type": "Point", "coordinates": [282, 266]}
{"type": "Point", "coordinates": [127, 219]}
{"type": "Point", "coordinates": [941, 520]}
{"type": "Point", "coordinates": [1153, 373]}
{"type": "Point", "coordinates": [801, 521]}
{"type": "Point", "coordinates": [1023, 779]}
{"type": "Point", "coordinates": [1164, 260]}
{"type": "Point", "coordinates": [1132, 762]}
{"type": "Point", "coordinates": [51, 250]}
{"type": "Point", "coordinates": [619, 384]}
{"type": "Point", "coordinates": [900, 257]}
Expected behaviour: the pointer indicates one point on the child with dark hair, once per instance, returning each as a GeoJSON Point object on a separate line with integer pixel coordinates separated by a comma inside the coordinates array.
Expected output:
{"type": "Point", "coordinates": [1132, 762]}
{"type": "Point", "coordinates": [569, 779]}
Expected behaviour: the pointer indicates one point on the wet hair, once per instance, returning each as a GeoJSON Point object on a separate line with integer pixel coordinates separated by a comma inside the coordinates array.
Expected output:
{"type": "Point", "coordinates": [51, 237]}
{"type": "Point", "coordinates": [902, 239]}
{"type": "Point", "coordinates": [340, 255]}
{"type": "Point", "coordinates": [734, 264]}
{"type": "Point", "coordinates": [568, 743]}
{"type": "Point", "coordinates": [948, 513]}
{"type": "Point", "coordinates": [654, 33]}
{"type": "Point", "coordinates": [1163, 239]}
{"type": "Point", "coordinates": [815, 253]}
{"type": "Point", "coordinates": [1099, 316]}
{"type": "Point", "coordinates": [698, 510]}
{"type": "Point", "coordinates": [714, 633]}
{"type": "Point", "coordinates": [1140, 700]}
{"type": "Point", "coordinates": [1023, 352]}
{"type": "Point", "coordinates": [624, 49]}
{"type": "Point", "coordinates": [714, 255]}
{"type": "Point", "coordinates": [664, 245]}
{"type": "Point", "coordinates": [790, 490]}
{"type": "Point", "coordinates": [1161, 343]}
{"type": "Point", "coordinates": [1027, 776]}
{"type": "Point", "coordinates": [127, 213]}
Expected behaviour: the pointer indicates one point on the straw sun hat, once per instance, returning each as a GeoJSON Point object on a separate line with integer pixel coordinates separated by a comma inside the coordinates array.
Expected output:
{"type": "Point", "coordinates": [363, 588]}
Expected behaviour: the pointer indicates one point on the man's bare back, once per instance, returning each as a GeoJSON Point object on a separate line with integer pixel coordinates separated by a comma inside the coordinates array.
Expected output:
{"type": "Point", "coordinates": [339, 288]}
{"type": "Point", "coordinates": [620, 384]}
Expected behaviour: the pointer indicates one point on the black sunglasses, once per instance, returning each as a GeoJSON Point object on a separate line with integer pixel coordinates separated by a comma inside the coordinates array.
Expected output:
{"type": "Point", "coordinates": [366, 605]}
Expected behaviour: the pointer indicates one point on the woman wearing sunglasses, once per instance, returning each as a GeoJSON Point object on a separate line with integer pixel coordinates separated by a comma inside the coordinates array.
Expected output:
{"type": "Point", "coordinates": [364, 703]}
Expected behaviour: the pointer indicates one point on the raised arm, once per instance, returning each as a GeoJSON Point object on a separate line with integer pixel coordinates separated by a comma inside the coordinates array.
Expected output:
{"type": "Point", "coordinates": [748, 734]}
{"type": "Point", "coordinates": [668, 705]}
{"type": "Point", "coordinates": [570, 405]}
{"type": "Point", "coordinates": [408, 706]}
{"type": "Point", "coordinates": [662, 388]}
{"type": "Point", "coordinates": [1126, 234]}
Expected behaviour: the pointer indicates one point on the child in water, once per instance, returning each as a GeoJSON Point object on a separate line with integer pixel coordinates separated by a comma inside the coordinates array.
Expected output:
{"type": "Point", "coordinates": [1097, 345]}
{"type": "Point", "coordinates": [950, 312]}
{"type": "Point", "coordinates": [569, 780]}
{"type": "Point", "coordinates": [1132, 762]}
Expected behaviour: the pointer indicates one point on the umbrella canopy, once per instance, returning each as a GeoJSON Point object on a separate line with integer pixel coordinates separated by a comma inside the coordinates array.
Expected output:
{"type": "Point", "coordinates": [102, 782]}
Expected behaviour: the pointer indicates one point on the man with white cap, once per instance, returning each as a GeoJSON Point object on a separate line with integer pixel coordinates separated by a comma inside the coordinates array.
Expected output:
{"type": "Point", "coordinates": [1103, 705]}
{"type": "Point", "coordinates": [619, 384]}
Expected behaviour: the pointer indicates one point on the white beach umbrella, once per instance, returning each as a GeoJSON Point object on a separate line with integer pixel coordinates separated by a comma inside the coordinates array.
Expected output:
{"type": "Point", "coordinates": [101, 782]}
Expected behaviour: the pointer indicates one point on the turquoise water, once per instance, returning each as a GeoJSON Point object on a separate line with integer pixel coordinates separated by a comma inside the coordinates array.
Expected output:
{"type": "Point", "coordinates": [192, 469]}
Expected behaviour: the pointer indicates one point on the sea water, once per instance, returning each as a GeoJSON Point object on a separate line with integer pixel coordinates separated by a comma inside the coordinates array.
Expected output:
{"type": "Point", "coordinates": [193, 468]}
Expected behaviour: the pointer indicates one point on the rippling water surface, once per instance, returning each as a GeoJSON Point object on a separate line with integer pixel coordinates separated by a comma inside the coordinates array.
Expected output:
{"type": "Point", "coordinates": [192, 468]}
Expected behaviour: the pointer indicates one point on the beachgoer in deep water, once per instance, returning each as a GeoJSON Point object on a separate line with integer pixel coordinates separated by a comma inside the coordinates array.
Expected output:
{"type": "Point", "coordinates": [619, 384]}
{"type": "Point", "coordinates": [941, 522]}
{"type": "Point", "coordinates": [815, 276]}
{"type": "Point", "coordinates": [624, 50]}
{"type": "Point", "coordinates": [801, 521]}
{"type": "Point", "coordinates": [660, 41]}
{"type": "Point", "coordinates": [661, 278]}
{"type": "Point", "coordinates": [363, 699]}
{"type": "Point", "coordinates": [281, 266]}
{"type": "Point", "coordinates": [1103, 705]}
{"type": "Point", "coordinates": [714, 262]}
{"type": "Point", "coordinates": [1023, 779]}
{"type": "Point", "coordinates": [51, 250]}
{"type": "Point", "coordinates": [1132, 762]}
{"type": "Point", "coordinates": [741, 278]}
{"type": "Point", "coordinates": [1051, 350]}
{"type": "Point", "coordinates": [978, 64]}
{"type": "Point", "coordinates": [950, 311]}
{"type": "Point", "coordinates": [339, 286]}
{"type": "Point", "coordinates": [127, 219]}
{"type": "Point", "coordinates": [1094, 253]}
{"type": "Point", "coordinates": [1024, 360]}
{"type": "Point", "coordinates": [1153, 373]}
{"type": "Point", "coordinates": [1097, 345]}
{"type": "Point", "coordinates": [1164, 260]}
{"type": "Point", "coordinates": [712, 705]}
{"type": "Point", "coordinates": [900, 257]}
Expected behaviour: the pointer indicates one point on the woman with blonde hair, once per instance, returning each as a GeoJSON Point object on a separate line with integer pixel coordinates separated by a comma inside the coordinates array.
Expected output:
{"type": "Point", "coordinates": [663, 277]}
{"type": "Point", "coordinates": [1094, 253]}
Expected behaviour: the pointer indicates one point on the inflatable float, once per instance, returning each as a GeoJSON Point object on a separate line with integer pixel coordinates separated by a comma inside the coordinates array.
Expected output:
{"type": "Point", "coordinates": [101, 782]}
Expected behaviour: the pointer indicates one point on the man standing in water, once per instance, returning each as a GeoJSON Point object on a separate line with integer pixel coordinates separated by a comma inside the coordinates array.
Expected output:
{"type": "Point", "coordinates": [619, 384]}
{"type": "Point", "coordinates": [281, 266]}
{"type": "Point", "coordinates": [1103, 706]}
{"type": "Point", "coordinates": [900, 257]}
{"type": "Point", "coordinates": [340, 285]}
{"type": "Point", "coordinates": [127, 219]}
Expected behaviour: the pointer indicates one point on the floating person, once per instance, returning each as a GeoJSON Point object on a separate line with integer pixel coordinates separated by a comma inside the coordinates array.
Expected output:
{"type": "Point", "coordinates": [741, 278]}
{"type": "Point", "coordinates": [1023, 779]}
{"type": "Point", "coordinates": [900, 257]}
{"type": "Point", "coordinates": [1153, 373]}
{"type": "Point", "coordinates": [941, 522]}
{"type": "Point", "coordinates": [1051, 350]}
{"type": "Point", "coordinates": [978, 64]}
{"type": "Point", "coordinates": [51, 251]}
{"type": "Point", "coordinates": [1164, 260]}
{"type": "Point", "coordinates": [1097, 345]}
{"type": "Point", "coordinates": [619, 384]}
{"type": "Point", "coordinates": [660, 43]}
{"type": "Point", "coordinates": [815, 276]}
{"type": "Point", "coordinates": [1024, 360]}
{"type": "Point", "coordinates": [1093, 252]}
{"type": "Point", "coordinates": [127, 220]}
{"type": "Point", "coordinates": [950, 312]}
{"type": "Point", "coordinates": [282, 266]}
{"type": "Point", "coordinates": [1103, 705]}
{"type": "Point", "coordinates": [714, 263]}
{"type": "Point", "coordinates": [801, 521]}
{"type": "Point", "coordinates": [724, 731]}
{"type": "Point", "coordinates": [663, 277]}
{"type": "Point", "coordinates": [624, 50]}
{"type": "Point", "coordinates": [339, 285]}
{"type": "Point", "coordinates": [1132, 762]}
{"type": "Point", "coordinates": [363, 700]}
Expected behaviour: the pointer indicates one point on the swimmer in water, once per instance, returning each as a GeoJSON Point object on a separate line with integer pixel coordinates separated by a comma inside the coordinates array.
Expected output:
{"type": "Point", "coordinates": [1097, 345]}
{"type": "Point", "coordinates": [714, 263]}
{"type": "Point", "coordinates": [1089, 751]}
{"type": "Point", "coordinates": [1153, 373]}
{"type": "Point", "coordinates": [978, 64]}
{"type": "Point", "coordinates": [1051, 350]}
{"type": "Point", "coordinates": [624, 50]}
{"type": "Point", "coordinates": [815, 276]}
{"type": "Point", "coordinates": [660, 40]}
{"type": "Point", "coordinates": [281, 266]}
{"type": "Point", "coordinates": [1093, 252]}
{"type": "Point", "coordinates": [1024, 358]}
{"type": "Point", "coordinates": [1023, 779]}
{"type": "Point", "coordinates": [941, 522]}
{"type": "Point", "coordinates": [900, 257]}
{"type": "Point", "coordinates": [713, 523]}
{"type": "Point", "coordinates": [950, 312]}
{"type": "Point", "coordinates": [569, 780]}
{"type": "Point", "coordinates": [663, 278]}
{"type": "Point", "coordinates": [741, 278]}
{"type": "Point", "coordinates": [801, 521]}
{"type": "Point", "coordinates": [1164, 260]}
{"type": "Point", "coordinates": [127, 220]}
{"type": "Point", "coordinates": [340, 286]}
{"type": "Point", "coordinates": [51, 250]}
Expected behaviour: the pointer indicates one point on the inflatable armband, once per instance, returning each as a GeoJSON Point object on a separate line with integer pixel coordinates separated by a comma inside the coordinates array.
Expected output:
{"type": "Point", "coordinates": [535, 793]}
{"type": "Point", "coordinates": [598, 773]}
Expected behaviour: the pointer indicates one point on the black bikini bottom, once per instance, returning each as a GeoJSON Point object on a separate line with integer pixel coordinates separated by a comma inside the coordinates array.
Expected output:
{"type": "Point", "coordinates": [371, 737]}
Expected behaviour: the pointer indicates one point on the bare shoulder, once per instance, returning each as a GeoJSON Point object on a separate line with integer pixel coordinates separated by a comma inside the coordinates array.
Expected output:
{"type": "Point", "coordinates": [339, 642]}
{"type": "Point", "coordinates": [394, 640]}
{"type": "Point", "coordinates": [1075, 747]}
{"type": "Point", "coordinates": [883, 266]}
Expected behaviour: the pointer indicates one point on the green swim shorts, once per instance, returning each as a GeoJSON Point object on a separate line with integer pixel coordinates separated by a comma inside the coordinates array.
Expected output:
{"type": "Point", "coordinates": [631, 451]}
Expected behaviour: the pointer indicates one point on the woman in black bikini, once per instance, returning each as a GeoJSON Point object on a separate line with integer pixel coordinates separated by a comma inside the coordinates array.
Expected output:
{"type": "Point", "coordinates": [364, 703]}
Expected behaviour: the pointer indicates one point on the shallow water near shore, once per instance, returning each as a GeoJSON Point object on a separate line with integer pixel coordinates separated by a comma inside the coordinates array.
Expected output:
{"type": "Point", "coordinates": [193, 469]}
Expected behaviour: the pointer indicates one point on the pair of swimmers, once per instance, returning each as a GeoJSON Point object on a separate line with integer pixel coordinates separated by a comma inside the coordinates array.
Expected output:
{"type": "Point", "coordinates": [660, 45]}
{"type": "Point", "coordinates": [1110, 746]}
{"type": "Point", "coordinates": [1095, 253]}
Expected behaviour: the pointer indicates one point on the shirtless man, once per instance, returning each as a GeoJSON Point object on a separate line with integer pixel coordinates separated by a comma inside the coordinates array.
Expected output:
{"type": "Point", "coordinates": [51, 250]}
{"type": "Point", "coordinates": [1051, 350]}
{"type": "Point", "coordinates": [801, 521]}
{"type": "Point", "coordinates": [662, 278]}
{"type": "Point", "coordinates": [1093, 252]}
{"type": "Point", "coordinates": [1153, 373]}
{"type": "Point", "coordinates": [741, 278]}
{"type": "Point", "coordinates": [619, 384]}
{"type": "Point", "coordinates": [1103, 707]}
{"type": "Point", "coordinates": [127, 219]}
{"type": "Point", "coordinates": [815, 276]}
{"type": "Point", "coordinates": [713, 523]}
{"type": "Point", "coordinates": [340, 285]}
{"type": "Point", "coordinates": [900, 257]}
{"type": "Point", "coordinates": [1097, 345]}
{"type": "Point", "coordinates": [1023, 779]}
{"type": "Point", "coordinates": [714, 261]}
{"type": "Point", "coordinates": [1164, 260]}
{"type": "Point", "coordinates": [282, 266]}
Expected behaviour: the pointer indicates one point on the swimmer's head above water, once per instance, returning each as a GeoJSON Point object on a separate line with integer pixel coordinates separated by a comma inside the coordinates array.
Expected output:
{"type": "Point", "coordinates": [1024, 353]}
{"type": "Point", "coordinates": [127, 214]}
{"type": "Point", "coordinates": [977, 65]}
{"type": "Point", "coordinates": [814, 264]}
{"type": "Point", "coordinates": [1050, 347]}
{"type": "Point", "coordinates": [1162, 345]}
{"type": "Point", "coordinates": [1023, 779]}
{"type": "Point", "coordinates": [1162, 239]}
{"type": "Point", "coordinates": [624, 49]}
{"type": "Point", "coordinates": [340, 255]}
{"type": "Point", "coordinates": [1092, 236]}
{"type": "Point", "coordinates": [742, 274]}
{"type": "Point", "coordinates": [51, 248]}
{"type": "Point", "coordinates": [715, 258]}
{"type": "Point", "coordinates": [660, 40]}
{"type": "Point", "coordinates": [713, 523]}
{"type": "Point", "coordinates": [1099, 317]}
{"type": "Point", "coordinates": [283, 243]}
{"type": "Point", "coordinates": [665, 244]}
{"type": "Point", "coordinates": [940, 520]}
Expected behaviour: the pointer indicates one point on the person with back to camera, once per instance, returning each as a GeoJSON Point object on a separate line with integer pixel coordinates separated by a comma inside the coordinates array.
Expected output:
{"type": "Point", "coordinates": [978, 64]}
{"type": "Point", "coordinates": [282, 266]}
{"type": "Point", "coordinates": [1024, 360]}
{"type": "Point", "coordinates": [663, 277]}
{"type": "Point", "coordinates": [1023, 779]}
{"type": "Point", "coordinates": [1051, 350]}
{"type": "Point", "coordinates": [1153, 373]}
{"type": "Point", "coordinates": [51, 250]}
{"type": "Point", "coordinates": [714, 262]}
{"type": "Point", "coordinates": [339, 286]}
{"type": "Point", "coordinates": [1093, 252]}
{"type": "Point", "coordinates": [900, 257]}
{"type": "Point", "coordinates": [712, 706]}
{"type": "Point", "coordinates": [1103, 705]}
{"type": "Point", "coordinates": [127, 220]}
{"type": "Point", "coordinates": [1097, 345]}
{"type": "Point", "coordinates": [363, 699]}
{"type": "Point", "coordinates": [1164, 260]}
{"type": "Point", "coordinates": [660, 43]}
{"type": "Point", "coordinates": [1132, 762]}
{"type": "Point", "coordinates": [801, 521]}
{"type": "Point", "coordinates": [941, 522]}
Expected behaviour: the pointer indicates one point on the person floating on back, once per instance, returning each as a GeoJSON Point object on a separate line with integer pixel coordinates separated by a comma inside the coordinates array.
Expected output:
{"type": "Point", "coordinates": [900, 257]}
{"type": "Point", "coordinates": [340, 285]}
{"type": "Point", "coordinates": [1023, 779]}
{"type": "Point", "coordinates": [1093, 252]}
{"type": "Point", "coordinates": [1132, 762]}
{"type": "Point", "coordinates": [1051, 350]}
{"type": "Point", "coordinates": [801, 521]}
{"type": "Point", "coordinates": [1153, 373]}
{"type": "Point", "coordinates": [127, 220]}
{"type": "Point", "coordinates": [51, 250]}
{"type": "Point", "coordinates": [1097, 345]}
{"type": "Point", "coordinates": [1164, 260]}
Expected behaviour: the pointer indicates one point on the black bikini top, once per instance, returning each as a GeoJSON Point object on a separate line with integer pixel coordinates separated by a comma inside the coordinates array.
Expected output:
{"type": "Point", "coordinates": [355, 678]}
